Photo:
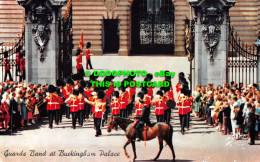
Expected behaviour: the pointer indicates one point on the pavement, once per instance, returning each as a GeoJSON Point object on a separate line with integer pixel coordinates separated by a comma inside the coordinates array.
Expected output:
{"type": "Point", "coordinates": [200, 143]}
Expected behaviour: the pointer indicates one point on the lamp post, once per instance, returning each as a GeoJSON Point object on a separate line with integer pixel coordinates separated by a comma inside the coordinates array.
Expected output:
{"type": "Point", "coordinates": [257, 44]}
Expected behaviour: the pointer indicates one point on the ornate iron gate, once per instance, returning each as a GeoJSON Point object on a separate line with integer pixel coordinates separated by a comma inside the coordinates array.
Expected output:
{"type": "Point", "coordinates": [242, 60]}
{"type": "Point", "coordinates": [153, 26]}
{"type": "Point", "coordinates": [12, 55]}
{"type": "Point", "coordinates": [67, 44]}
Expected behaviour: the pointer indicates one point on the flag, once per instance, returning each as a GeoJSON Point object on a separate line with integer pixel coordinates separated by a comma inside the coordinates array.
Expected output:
{"type": "Point", "coordinates": [81, 43]}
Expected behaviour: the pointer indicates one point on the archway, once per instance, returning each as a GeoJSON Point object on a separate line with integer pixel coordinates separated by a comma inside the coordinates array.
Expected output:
{"type": "Point", "coordinates": [152, 27]}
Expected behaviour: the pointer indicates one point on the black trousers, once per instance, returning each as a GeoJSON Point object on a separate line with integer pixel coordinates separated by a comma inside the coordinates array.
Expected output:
{"type": "Point", "coordinates": [97, 123]}
{"type": "Point", "coordinates": [159, 118]}
{"type": "Point", "coordinates": [80, 117]}
{"type": "Point", "coordinates": [87, 110]}
{"type": "Point", "coordinates": [188, 121]}
{"type": "Point", "coordinates": [81, 73]}
{"type": "Point", "coordinates": [10, 76]}
{"type": "Point", "coordinates": [67, 112]}
{"type": "Point", "coordinates": [89, 63]}
{"type": "Point", "coordinates": [123, 113]}
{"type": "Point", "coordinates": [167, 116]}
{"type": "Point", "coordinates": [74, 119]}
{"type": "Point", "coordinates": [105, 116]}
{"type": "Point", "coordinates": [57, 116]}
{"type": "Point", "coordinates": [62, 109]}
{"type": "Point", "coordinates": [51, 115]}
{"type": "Point", "coordinates": [183, 119]}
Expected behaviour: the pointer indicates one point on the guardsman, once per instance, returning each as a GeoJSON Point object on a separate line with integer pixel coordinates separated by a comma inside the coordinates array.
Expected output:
{"type": "Point", "coordinates": [147, 98]}
{"type": "Point", "coordinates": [184, 108]}
{"type": "Point", "coordinates": [61, 105]}
{"type": "Point", "coordinates": [81, 110]}
{"type": "Point", "coordinates": [7, 67]}
{"type": "Point", "coordinates": [79, 66]}
{"type": "Point", "coordinates": [139, 106]}
{"type": "Point", "coordinates": [22, 66]}
{"type": "Point", "coordinates": [51, 105]}
{"type": "Point", "coordinates": [73, 102]}
{"type": "Point", "coordinates": [160, 106]}
{"type": "Point", "coordinates": [115, 104]}
{"type": "Point", "coordinates": [88, 54]}
{"type": "Point", "coordinates": [100, 107]}
{"type": "Point", "coordinates": [57, 106]}
{"type": "Point", "coordinates": [123, 101]}
{"type": "Point", "coordinates": [67, 91]}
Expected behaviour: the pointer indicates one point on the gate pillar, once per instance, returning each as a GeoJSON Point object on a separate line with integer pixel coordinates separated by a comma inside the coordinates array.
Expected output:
{"type": "Point", "coordinates": [211, 40]}
{"type": "Point", "coordinates": [42, 43]}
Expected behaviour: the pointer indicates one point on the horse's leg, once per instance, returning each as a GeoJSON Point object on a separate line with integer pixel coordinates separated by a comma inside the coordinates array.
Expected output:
{"type": "Point", "coordinates": [161, 147]}
{"type": "Point", "coordinates": [169, 143]}
{"type": "Point", "coordinates": [133, 146]}
{"type": "Point", "coordinates": [127, 143]}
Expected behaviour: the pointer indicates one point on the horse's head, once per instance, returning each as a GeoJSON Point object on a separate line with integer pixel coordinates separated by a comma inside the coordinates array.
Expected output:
{"type": "Point", "coordinates": [112, 124]}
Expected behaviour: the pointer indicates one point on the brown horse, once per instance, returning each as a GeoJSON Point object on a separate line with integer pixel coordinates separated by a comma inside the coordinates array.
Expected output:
{"type": "Point", "coordinates": [161, 130]}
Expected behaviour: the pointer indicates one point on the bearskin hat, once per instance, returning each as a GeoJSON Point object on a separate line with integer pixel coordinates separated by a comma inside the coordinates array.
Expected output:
{"type": "Point", "coordinates": [60, 82]}
{"type": "Point", "coordinates": [81, 90]}
{"type": "Point", "coordinates": [75, 92]}
{"type": "Point", "coordinates": [160, 93]}
{"type": "Point", "coordinates": [69, 81]}
{"type": "Point", "coordinates": [144, 90]}
{"type": "Point", "coordinates": [51, 89]}
{"type": "Point", "coordinates": [116, 94]}
{"type": "Point", "coordinates": [140, 95]}
{"type": "Point", "coordinates": [100, 94]}
{"type": "Point", "coordinates": [57, 90]}
{"type": "Point", "coordinates": [83, 84]}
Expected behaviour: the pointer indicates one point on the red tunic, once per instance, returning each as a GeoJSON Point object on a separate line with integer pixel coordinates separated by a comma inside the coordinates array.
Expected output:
{"type": "Point", "coordinates": [170, 96]}
{"type": "Point", "coordinates": [81, 104]}
{"type": "Point", "coordinates": [184, 107]}
{"type": "Point", "coordinates": [150, 92]}
{"type": "Point", "coordinates": [67, 91]}
{"type": "Point", "coordinates": [22, 64]}
{"type": "Point", "coordinates": [18, 58]}
{"type": "Point", "coordinates": [123, 100]}
{"type": "Point", "coordinates": [115, 108]}
{"type": "Point", "coordinates": [111, 88]}
{"type": "Point", "coordinates": [88, 93]}
{"type": "Point", "coordinates": [93, 106]}
{"type": "Point", "coordinates": [74, 106]}
{"type": "Point", "coordinates": [88, 54]}
{"type": "Point", "coordinates": [160, 107]}
{"type": "Point", "coordinates": [147, 101]}
{"type": "Point", "coordinates": [79, 61]}
{"type": "Point", "coordinates": [99, 109]}
{"type": "Point", "coordinates": [52, 101]}
{"type": "Point", "coordinates": [138, 107]}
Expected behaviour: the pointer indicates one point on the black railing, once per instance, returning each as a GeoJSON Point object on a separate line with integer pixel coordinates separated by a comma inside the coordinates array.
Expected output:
{"type": "Point", "coordinates": [12, 56]}
{"type": "Point", "coordinates": [242, 60]}
{"type": "Point", "coordinates": [67, 44]}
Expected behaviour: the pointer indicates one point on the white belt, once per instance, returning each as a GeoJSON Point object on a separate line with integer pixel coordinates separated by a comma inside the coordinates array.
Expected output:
{"type": "Point", "coordinates": [53, 103]}
{"type": "Point", "coordinates": [122, 102]}
{"type": "Point", "coordinates": [81, 103]}
{"type": "Point", "coordinates": [159, 108]}
{"type": "Point", "coordinates": [115, 107]}
{"type": "Point", "coordinates": [73, 105]}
